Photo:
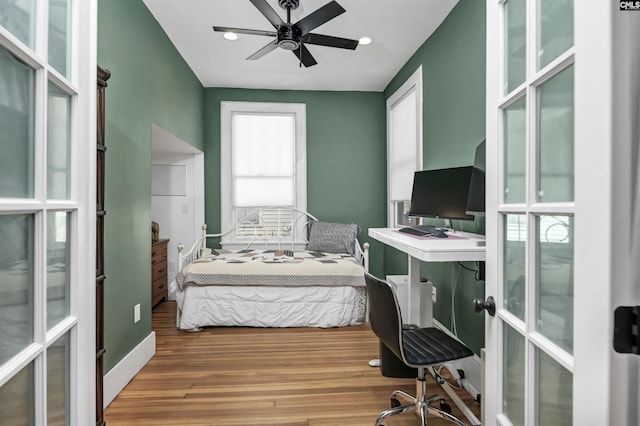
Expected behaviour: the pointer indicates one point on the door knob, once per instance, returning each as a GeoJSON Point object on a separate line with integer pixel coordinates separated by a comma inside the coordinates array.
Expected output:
{"type": "Point", "coordinates": [489, 305]}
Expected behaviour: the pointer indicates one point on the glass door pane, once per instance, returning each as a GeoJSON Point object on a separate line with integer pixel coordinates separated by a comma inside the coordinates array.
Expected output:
{"type": "Point", "coordinates": [513, 375]}
{"type": "Point", "coordinates": [58, 266]}
{"type": "Point", "coordinates": [16, 399]}
{"type": "Point", "coordinates": [58, 359]}
{"type": "Point", "coordinates": [16, 284]}
{"type": "Point", "coordinates": [515, 158]}
{"type": "Point", "coordinates": [17, 112]}
{"type": "Point", "coordinates": [515, 234]}
{"type": "Point", "coordinates": [555, 29]}
{"type": "Point", "coordinates": [555, 392]}
{"type": "Point", "coordinates": [555, 135]}
{"type": "Point", "coordinates": [555, 276]}
{"type": "Point", "coordinates": [59, 37]}
{"type": "Point", "coordinates": [515, 48]}
{"type": "Point", "coordinates": [18, 17]}
{"type": "Point", "coordinates": [58, 143]}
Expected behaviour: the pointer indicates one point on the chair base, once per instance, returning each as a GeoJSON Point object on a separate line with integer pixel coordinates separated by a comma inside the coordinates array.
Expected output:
{"type": "Point", "coordinates": [422, 405]}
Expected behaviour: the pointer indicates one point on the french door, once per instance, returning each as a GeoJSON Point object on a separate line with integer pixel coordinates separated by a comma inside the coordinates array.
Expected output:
{"type": "Point", "coordinates": [560, 179]}
{"type": "Point", "coordinates": [47, 211]}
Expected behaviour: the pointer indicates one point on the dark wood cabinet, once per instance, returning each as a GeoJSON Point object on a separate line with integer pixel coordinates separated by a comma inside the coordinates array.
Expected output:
{"type": "Point", "coordinates": [158, 271]}
{"type": "Point", "coordinates": [102, 77]}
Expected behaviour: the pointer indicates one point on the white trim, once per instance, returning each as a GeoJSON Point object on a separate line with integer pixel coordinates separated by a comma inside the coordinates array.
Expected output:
{"type": "Point", "coordinates": [125, 370]}
{"type": "Point", "coordinates": [413, 84]}
{"type": "Point", "coordinates": [227, 108]}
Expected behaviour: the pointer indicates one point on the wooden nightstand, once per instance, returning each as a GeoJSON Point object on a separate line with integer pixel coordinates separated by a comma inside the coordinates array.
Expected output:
{"type": "Point", "coordinates": [158, 271]}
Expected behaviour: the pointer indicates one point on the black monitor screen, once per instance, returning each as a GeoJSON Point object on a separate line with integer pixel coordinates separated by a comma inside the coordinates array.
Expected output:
{"type": "Point", "coordinates": [441, 193]}
{"type": "Point", "coordinates": [475, 203]}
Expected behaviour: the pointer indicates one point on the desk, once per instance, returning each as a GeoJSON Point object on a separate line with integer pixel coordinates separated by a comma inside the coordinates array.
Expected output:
{"type": "Point", "coordinates": [460, 247]}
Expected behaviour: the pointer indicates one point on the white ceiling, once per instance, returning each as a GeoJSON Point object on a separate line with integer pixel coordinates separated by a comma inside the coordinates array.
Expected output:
{"type": "Point", "coordinates": [398, 28]}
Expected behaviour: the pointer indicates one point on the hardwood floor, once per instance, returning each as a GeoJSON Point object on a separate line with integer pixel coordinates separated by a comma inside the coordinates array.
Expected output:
{"type": "Point", "coordinates": [261, 376]}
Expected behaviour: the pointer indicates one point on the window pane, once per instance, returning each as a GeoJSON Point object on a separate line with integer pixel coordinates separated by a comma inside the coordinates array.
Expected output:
{"type": "Point", "coordinates": [513, 369]}
{"type": "Point", "coordinates": [266, 223]}
{"type": "Point", "coordinates": [515, 233]}
{"type": "Point", "coordinates": [555, 132]}
{"type": "Point", "coordinates": [16, 399]}
{"type": "Point", "coordinates": [255, 192]}
{"type": "Point", "coordinates": [59, 37]}
{"type": "Point", "coordinates": [59, 141]}
{"type": "Point", "coordinates": [17, 124]}
{"type": "Point", "coordinates": [57, 267]}
{"type": "Point", "coordinates": [555, 392]}
{"type": "Point", "coordinates": [58, 355]}
{"type": "Point", "coordinates": [19, 18]}
{"type": "Point", "coordinates": [514, 44]}
{"type": "Point", "coordinates": [16, 284]}
{"type": "Point", "coordinates": [555, 30]}
{"type": "Point", "coordinates": [555, 272]}
{"type": "Point", "coordinates": [263, 145]}
{"type": "Point", "coordinates": [515, 152]}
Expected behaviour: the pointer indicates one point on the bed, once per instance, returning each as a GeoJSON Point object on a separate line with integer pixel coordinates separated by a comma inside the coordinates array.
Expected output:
{"type": "Point", "coordinates": [272, 281]}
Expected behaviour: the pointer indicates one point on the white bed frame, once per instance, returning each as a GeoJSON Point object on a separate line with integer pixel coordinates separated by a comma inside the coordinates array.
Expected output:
{"type": "Point", "coordinates": [199, 248]}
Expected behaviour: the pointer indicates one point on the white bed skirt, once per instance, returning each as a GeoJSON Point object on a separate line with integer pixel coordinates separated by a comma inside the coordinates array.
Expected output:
{"type": "Point", "coordinates": [260, 306]}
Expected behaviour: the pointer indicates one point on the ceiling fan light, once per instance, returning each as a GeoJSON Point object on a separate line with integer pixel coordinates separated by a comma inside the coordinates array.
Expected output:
{"type": "Point", "coordinates": [364, 41]}
{"type": "Point", "coordinates": [230, 36]}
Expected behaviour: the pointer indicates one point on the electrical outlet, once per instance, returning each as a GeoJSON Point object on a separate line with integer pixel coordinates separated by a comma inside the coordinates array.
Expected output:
{"type": "Point", "coordinates": [136, 313]}
{"type": "Point", "coordinates": [433, 295]}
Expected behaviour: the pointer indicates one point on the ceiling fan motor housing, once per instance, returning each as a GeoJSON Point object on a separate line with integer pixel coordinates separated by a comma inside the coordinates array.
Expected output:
{"type": "Point", "coordinates": [288, 37]}
{"type": "Point", "coordinates": [289, 4]}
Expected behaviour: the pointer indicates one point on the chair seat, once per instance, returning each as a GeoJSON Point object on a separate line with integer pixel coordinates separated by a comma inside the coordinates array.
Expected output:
{"type": "Point", "coordinates": [431, 346]}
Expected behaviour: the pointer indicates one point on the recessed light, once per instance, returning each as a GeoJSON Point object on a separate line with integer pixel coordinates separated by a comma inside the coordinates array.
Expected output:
{"type": "Point", "coordinates": [364, 41]}
{"type": "Point", "coordinates": [230, 36]}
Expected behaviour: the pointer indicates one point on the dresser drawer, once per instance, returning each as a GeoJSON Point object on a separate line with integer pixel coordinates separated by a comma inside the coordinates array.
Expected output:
{"type": "Point", "coordinates": [159, 286]}
{"type": "Point", "coordinates": [158, 270]}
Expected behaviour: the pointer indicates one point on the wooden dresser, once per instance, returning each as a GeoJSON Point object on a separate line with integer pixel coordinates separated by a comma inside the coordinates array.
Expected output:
{"type": "Point", "coordinates": [158, 271]}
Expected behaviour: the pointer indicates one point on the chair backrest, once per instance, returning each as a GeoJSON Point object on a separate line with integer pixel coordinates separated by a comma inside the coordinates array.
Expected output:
{"type": "Point", "coordinates": [384, 313]}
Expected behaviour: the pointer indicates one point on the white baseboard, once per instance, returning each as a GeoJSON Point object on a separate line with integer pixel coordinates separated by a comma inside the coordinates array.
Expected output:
{"type": "Point", "coordinates": [471, 366]}
{"type": "Point", "coordinates": [125, 370]}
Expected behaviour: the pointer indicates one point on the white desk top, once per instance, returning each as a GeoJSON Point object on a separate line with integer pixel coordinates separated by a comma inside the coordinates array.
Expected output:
{"type": "Point", "coordinates": [469, 247]}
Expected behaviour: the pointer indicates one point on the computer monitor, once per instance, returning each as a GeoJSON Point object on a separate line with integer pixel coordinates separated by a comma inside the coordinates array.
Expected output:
{"type": "Point", "coordinates": [441, 193]}
{"type": "Point", "coordinates": [475, 202]}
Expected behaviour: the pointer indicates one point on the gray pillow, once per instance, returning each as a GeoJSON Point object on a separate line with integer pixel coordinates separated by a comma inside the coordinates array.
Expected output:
{"type": "Point", "coordinates": [333, 237]}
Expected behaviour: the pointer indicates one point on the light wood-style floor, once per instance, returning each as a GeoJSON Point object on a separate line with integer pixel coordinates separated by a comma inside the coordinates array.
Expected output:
{"type": "Point", "coordinates": [257, 376]}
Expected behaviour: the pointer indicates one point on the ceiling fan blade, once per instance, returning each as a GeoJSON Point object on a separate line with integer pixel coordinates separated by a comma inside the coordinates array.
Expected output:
{"type": "Point", "coordinates": [319, 17]}
{"type": "Point", "coordinates": [268, 12]}
{"type": "Point", "coordinates": [325, 40]}
{"type": "Point", "coordinates": [304, 56]}
{"type": "Point", "coordinates": [245, 31]}
{"type": "Point", "coordinates": [260, 53]}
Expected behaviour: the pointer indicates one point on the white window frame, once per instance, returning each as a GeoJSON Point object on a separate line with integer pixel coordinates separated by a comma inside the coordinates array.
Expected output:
{"type": "Point", "coordinates": [227, 109]}
{"type": "Point", "coordinates": [412, 85]}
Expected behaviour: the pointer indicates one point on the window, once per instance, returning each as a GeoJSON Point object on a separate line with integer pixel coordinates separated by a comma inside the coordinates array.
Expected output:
{"type": "Point", "coordinates": [404, 147]}
{"type": "Point", "coordinates": [263, 164]}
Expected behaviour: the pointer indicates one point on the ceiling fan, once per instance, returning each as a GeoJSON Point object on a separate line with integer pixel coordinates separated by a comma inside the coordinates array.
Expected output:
{"type": "Point", "coordinates": [293, 37]}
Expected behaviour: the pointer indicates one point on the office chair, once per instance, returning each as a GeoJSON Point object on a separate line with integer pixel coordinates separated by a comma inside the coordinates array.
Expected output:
{"type": "Point", "coordinates": [419, 348]}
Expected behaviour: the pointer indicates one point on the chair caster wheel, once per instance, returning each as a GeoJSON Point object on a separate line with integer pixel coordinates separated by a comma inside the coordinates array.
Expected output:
{"type": "Point", "coordinates": [394, 403]}
{"type": "Point", "coordinates": [445, 407]}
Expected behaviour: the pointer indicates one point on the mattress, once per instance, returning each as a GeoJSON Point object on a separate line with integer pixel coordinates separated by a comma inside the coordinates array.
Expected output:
{"type": "Point", "coordinates": [271, 288]}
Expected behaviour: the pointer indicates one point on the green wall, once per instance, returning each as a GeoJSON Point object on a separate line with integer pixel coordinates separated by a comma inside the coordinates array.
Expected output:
{"type": "Point", "coordinates": [453, 75]}
{"type": "Point", "coordinates": [150, 83]}
{"type": "Point", "coordinates": [346, 154]}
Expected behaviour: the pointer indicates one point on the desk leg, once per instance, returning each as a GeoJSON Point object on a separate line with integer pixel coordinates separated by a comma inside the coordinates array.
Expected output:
{"type": "Point", "coordinates": [419, 303]}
